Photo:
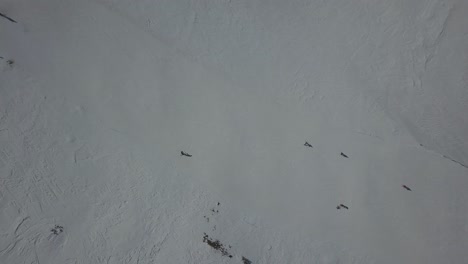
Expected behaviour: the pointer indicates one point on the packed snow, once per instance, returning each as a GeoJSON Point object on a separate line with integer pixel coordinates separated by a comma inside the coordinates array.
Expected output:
{"type": "Point", "coordinates": [233, 131]}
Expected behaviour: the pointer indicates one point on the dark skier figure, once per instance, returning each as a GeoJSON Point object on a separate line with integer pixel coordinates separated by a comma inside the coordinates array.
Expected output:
{"type": "Point", "coordinates": [185, 154]}
{"type": "Point", "coordinates": [307, 144]}
{"type": "Point", "coordinates": [406, 187]}
{"type": "Point", "coordinates": [342, 206]}
{"type": "Point", "coordinates": [246, 260]}
{"type": "Point", "coordinates": [344, 155]}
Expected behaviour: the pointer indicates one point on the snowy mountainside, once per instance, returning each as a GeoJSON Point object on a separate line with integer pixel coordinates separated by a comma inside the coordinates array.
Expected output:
{"type": "Point", "coordinates": [99, 98]}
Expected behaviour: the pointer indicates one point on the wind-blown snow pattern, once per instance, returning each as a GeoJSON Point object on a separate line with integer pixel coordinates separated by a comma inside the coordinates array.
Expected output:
{"type": "Point", "coordinates": [174, 131]}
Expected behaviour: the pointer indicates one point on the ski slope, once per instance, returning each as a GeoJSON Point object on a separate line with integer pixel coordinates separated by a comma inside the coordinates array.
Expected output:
{"type": "Point", "coordinates": [99, 97]}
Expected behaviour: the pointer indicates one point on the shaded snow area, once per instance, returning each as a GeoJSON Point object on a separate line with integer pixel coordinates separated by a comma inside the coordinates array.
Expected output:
{"type": "Point", "coordinates": [233, 131]}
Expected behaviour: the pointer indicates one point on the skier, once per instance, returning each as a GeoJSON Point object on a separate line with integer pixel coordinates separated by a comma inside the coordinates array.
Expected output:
{"type": "Point", "coordinates": [185, 154]}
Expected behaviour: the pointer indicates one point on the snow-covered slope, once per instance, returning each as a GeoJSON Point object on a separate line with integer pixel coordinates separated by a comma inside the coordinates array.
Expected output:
{"type": "Point", "coordinates": [98, 98]}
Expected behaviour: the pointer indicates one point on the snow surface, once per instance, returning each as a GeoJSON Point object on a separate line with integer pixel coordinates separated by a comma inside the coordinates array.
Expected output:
{"type": "Point", "coordinates": [98, 98]}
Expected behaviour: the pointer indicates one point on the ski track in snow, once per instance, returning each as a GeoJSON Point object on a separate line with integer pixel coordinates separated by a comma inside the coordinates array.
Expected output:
{"type": "Point", "coordinates": [91, 126]}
